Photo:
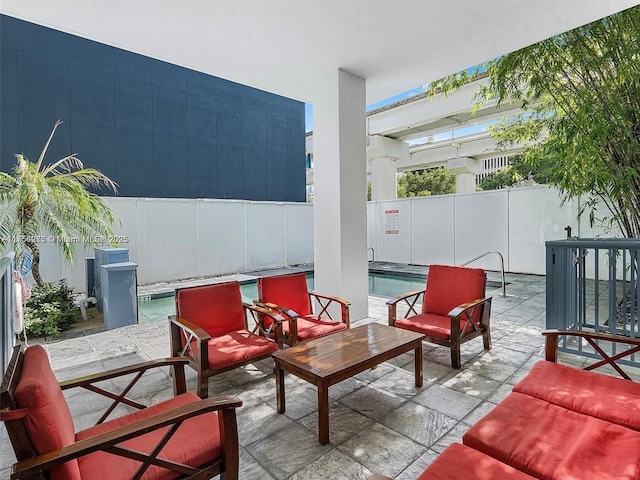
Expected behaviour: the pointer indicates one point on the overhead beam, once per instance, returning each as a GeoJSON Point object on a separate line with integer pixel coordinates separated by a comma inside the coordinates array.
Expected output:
{"type": "Point", "coordinates": [423, 115]}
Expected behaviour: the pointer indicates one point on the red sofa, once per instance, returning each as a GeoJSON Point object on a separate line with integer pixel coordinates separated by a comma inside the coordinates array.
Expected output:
{"type": "Point", "coordinates": [558, 423]}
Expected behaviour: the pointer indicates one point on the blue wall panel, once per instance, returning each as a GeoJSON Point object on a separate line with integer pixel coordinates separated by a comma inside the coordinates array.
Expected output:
{"type": "Point", "coordinates": [9, 125]}
{"type": "Point", "coordinates": [133, 127]}
{"type": "Point", "coordinates": [276, 156]}
{"type": "Point", "coordinates": [201, 147]}
{"type": "Point", "coordinates": [91, 122]}
{"type": "Point", "coordinates": [255, 155]}
{"type": "Point", "coordinates": [170, 148]}
{"type": "Point", "coordinates": [43, 98]}
{"type": "Point", "coordinates": [229, 151]}
{"type": "Point", "coordinates": [156, 129]}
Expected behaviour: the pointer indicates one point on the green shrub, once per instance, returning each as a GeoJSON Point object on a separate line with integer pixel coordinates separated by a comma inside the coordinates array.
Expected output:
{"type": "Point", "coordinates": [50, 309]}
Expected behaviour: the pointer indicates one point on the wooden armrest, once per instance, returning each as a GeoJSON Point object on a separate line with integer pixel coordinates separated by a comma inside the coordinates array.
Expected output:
{"type": "Point", "coordinates": [265, 309]}
{"type": "Point", "coordinates": [404, 296]}
{"type": "Point", "coordinates": [325, 302]}
{"type": "Point", "coordinates": [258, 310]}
{"type": "Point", "coordinates": [89, 382]}
{"type": "Point", "coordinates": [609, 337]}
{"type": "Point", "coordinates": [331, 298]}
{"type": "Point", "coordinates": [107, 440]}
{"type": "Point", "coordinates": [192, 328]}
{"type": "Point", "coordinates": [551, 347]}
{"type": "Point", "coordinates": [283, 310]}
{"type": "Point", "coordinates": [409, 298]}
{"type": "Point", "coordinates": [118, 372]}
{"type": "Point", "coordinates": [457, 311]}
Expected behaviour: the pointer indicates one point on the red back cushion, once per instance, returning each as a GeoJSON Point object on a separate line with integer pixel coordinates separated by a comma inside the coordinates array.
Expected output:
{"type": "Point", "coordinates": [448, 287]}
{"type": "Point", "coordinates": [215, 308]}
{"type": "Point", "coordinates": [48, 423]}
{"type": "Point", "coordinates": [288, 291]}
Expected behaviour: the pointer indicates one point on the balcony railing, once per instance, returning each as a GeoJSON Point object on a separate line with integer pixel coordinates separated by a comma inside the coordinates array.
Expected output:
{"type": "Point", "coordinates": [592, 284]}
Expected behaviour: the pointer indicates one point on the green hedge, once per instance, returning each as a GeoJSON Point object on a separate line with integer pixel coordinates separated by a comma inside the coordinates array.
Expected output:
{"type": "Point", "coordinates": [50, 309]}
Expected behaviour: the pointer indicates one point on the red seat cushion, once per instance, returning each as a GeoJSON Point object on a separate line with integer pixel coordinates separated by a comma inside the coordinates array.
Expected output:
{"type": "Point", "coordinates": [48, 422]}
{"type": "Point", "coordinates": [461, 462]}
{"type": "Point", "coordinates": [437, 326]}
{"type": "Point", "coordinates": [602, 396]}
{"type": "Point", "coordinates": [237, 347]}
{"type": "Point", "coordinates": [289, 291]}
{"type": "Point", "coordinates": [449, 287]}
{"type": "Point", "coordinates": [196, 442]}
{"type": "Point", "coordinates": [551, 442]}
{"type": "Point", "coordinates": [215, 308]}
{"type": "Point", "coordinates": [313, 327]}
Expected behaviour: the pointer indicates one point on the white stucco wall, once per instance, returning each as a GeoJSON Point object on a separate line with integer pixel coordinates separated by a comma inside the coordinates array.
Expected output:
{"type": "Point", "coordinates": [173, 239]}
{"type": "Point", "coordinates": [453, 229]}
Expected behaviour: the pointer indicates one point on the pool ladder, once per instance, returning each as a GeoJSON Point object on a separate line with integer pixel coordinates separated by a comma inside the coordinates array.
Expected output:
{"type": "Point", "coordinates": [504, 285]}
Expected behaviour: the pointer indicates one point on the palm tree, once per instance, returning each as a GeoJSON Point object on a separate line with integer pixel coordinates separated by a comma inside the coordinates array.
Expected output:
{"type": "Point", "coordinates": [50, 203]}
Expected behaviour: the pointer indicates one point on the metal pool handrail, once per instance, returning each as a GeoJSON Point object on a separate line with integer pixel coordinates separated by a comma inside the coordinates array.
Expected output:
{"type": "Point", "coordinates": [504, 285]}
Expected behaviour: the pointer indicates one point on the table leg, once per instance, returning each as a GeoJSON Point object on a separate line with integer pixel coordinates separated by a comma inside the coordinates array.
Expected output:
{"type": "Point", "coordinates": [418, 362]}
{"type": "Point", "coordinates": [279, 374]}
{"type": "Point", "coordinates": [323, 413]}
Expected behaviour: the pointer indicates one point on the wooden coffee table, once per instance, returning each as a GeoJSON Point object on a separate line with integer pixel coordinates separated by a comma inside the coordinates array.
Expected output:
{"type": "Point", "coordinates": [328, 360]}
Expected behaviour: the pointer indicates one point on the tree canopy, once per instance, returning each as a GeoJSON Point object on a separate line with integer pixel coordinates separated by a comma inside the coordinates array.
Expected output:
{"type": "Point", "coordinates": [421, 183]}
{"type": "Point", "coordinates": [518, 173]}
{"type": "Point", "coordinates": [580, 115]}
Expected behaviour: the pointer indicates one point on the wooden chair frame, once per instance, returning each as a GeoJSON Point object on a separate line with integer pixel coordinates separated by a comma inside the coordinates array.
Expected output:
{"type": "Point", "coordinates": [32, 465]}
{"type": "Point", "coordinates": [552, 338]}
{"type": "Point", "coordinates": [198, 357]}
{"type": "Point", "coordinates": [323, 301]}
{"type": "Point", "coordinates": [458, 336]}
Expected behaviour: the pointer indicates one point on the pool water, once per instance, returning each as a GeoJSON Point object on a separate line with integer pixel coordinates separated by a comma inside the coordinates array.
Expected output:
{"type": "Point", "coordinates": [381, 285]}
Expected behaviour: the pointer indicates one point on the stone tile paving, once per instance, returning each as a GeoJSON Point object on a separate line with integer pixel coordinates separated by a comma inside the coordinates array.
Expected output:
{"type": "Point", "coordinates": [379, 421]}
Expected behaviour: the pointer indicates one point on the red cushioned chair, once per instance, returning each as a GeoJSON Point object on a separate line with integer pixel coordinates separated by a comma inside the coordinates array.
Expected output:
{"type": "Point", "coordinates": [454, 308]}
{"type": "Point", "coordinates": [183, 437]}
{"type": "Point", "coordinates": [289, 296]}
{"type": "Point", "coordinates": [210, 328]}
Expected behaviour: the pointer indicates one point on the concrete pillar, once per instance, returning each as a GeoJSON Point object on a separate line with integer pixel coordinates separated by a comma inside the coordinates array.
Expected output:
{"type": "Point", "coordinates": [383, 179]}
{"type": "Point", "coordinates": [465, 182]}
{"type": "Point", "coordinates": [340, 189]}
{"type": "Point", "coordinates": [382, 153]}
{"type": "Point", "coordinates": [465, 170]}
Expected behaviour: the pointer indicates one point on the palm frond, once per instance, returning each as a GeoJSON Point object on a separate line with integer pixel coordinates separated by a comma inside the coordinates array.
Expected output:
{"type": "Point", "coordinates": [46, 145]}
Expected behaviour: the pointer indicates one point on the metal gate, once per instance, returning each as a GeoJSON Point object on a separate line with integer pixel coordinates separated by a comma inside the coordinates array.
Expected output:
{"type": "Point", "coordinates": [592, 284]}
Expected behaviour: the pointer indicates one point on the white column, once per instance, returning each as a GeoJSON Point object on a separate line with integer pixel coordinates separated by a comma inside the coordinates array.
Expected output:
{"type": "Point", "coordinates": [465, 182]}
{"type": "Point", "coordinates": [383, 179]}
{"type": "Point", "coordinates": [340, 189]}
{"type": "Point", "coordinates": [382, 153]}
{"type": "Point", "coordinates": [465, 170]}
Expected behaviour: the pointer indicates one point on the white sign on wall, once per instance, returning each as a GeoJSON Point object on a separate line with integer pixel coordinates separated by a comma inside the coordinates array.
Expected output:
{"type": "Point", "coordinates": [392, 222]}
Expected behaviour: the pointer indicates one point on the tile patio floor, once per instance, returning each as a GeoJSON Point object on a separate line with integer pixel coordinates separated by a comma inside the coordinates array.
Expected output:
{"type": "Point", "coordinates": [379, 421]}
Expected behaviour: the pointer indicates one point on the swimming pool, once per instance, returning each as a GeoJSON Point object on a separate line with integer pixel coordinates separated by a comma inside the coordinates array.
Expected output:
{"type": "Point", "coordinates": [380, 285]}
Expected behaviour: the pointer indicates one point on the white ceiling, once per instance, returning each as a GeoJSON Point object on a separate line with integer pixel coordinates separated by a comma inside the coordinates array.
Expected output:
{"type": "Point", "coordinates": [284, 46]}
